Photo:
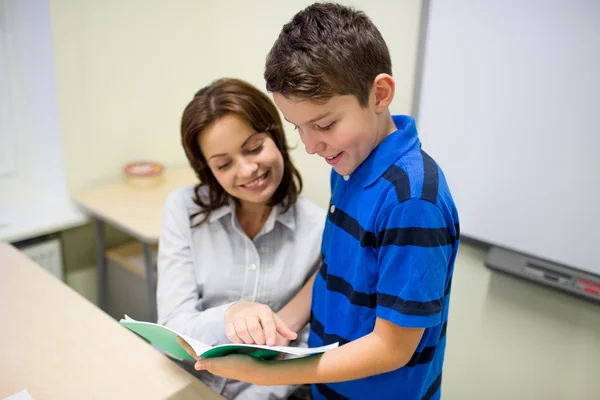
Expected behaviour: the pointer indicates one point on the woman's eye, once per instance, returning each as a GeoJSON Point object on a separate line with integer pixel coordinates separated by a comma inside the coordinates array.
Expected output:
{"type": "Point", "coordinates": [326, 128]}
{"type": "Point", "coordinates": [223, 166]}
{"type": "Point", "coordinates": [255, 150]}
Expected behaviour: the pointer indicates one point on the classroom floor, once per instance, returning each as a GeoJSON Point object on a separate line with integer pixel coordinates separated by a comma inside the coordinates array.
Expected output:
{"type": "Point", "coordinates": [507, 338]}
{"type": "Point", "coordinates": [512, 339]}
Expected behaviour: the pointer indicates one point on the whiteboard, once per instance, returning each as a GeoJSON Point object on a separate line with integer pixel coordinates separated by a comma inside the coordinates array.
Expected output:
{"type": "Point", "coordinates": [7, 139]}
{"type": "Point", "coordinates": [509, 106]}
{"type": "Point", "coordinates": [33, 190]}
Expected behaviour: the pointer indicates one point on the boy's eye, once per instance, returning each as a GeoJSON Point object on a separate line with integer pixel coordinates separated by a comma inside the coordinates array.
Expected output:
{"type": "Point", "coordinates": [295, 127]}
{"type": "Point", "coordinates": [326, 128]}
{"type": "Point", "coordinates": [255, 150]}
{"type": "Point", "coordinates": [223, 166]}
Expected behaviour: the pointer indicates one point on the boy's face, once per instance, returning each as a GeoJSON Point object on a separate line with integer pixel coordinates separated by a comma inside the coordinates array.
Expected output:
{"type": "Point", "coordinates": [340, 130]}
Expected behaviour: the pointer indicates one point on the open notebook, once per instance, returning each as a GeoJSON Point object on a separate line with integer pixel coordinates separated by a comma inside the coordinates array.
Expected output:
{"type": "Point", "coordinates": [166, 339]}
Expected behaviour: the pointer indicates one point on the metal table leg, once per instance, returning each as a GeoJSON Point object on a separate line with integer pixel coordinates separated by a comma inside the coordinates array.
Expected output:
{"type": "Point", "coordinates": [149, 262]}
{"type": "Point", "coordinates": [101, 260]}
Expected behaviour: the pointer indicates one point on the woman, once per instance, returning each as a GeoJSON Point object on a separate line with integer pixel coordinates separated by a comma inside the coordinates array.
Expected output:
{"type": "Point", "coordinates": [244, 233]}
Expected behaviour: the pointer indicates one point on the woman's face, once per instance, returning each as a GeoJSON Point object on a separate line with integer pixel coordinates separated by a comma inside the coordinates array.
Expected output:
{"type": "Point", "coordinates": [247, 164]}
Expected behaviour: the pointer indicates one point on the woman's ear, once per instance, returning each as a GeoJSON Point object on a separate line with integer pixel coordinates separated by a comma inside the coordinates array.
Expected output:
{"type": "Point", "coordinates": [384, 88]}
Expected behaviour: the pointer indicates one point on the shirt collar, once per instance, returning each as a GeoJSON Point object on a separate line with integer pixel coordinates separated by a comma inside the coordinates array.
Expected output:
{"type": "Point", "coordinates": [398, 143]}
{"type": "Point", "coordinates": [222, 211]}
{"type": "Point", "coordinates": [287, 219]}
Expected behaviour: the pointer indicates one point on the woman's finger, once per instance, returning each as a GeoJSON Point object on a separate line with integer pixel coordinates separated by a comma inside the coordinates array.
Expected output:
{"type": "Point", "coordinates": [242, 331]}
{"type": "Point", "coordinates": [231, 333]}
{"type": "Point", "coordinates": [256, 330]}
{"type": "Point", "coordinates": [268, 325]}
{"type": "Point", "coordinates": [283, 329]}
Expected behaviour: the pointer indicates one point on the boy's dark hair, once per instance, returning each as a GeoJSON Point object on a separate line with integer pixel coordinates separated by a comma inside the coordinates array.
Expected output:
{"type": "Point", "coordinates": [327, 49]}
{"type": "Point", "coordinates": [234, 96]}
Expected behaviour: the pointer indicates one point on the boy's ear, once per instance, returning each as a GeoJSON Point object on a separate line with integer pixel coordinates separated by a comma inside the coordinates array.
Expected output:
{"type": "Point", "coordinates": [384, 88]}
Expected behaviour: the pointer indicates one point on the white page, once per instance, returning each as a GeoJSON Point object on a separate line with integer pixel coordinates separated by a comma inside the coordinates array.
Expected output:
{"type": "Point", "coordinates": [22, 395]}
{"type": "Point", "coordinates": [297, 351]}
{"type": "Point", "coordinates": [200, 347]}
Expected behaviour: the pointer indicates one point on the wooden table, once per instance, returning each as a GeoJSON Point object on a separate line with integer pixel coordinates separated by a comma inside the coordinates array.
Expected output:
{"type": "Point", "coordinates": [137, 212]}
{"type": "Point", "coordinates": [57, 345]}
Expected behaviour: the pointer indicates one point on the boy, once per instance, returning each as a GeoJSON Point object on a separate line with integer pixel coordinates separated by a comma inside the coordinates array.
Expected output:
{"type": "Point", "coordinates": [391, 234]}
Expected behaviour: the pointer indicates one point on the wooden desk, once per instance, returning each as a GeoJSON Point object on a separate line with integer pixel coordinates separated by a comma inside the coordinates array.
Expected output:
{"type": "Point", "coordinates": [136, 211]}
{"type": "Point", "coordinates": [57, 345]}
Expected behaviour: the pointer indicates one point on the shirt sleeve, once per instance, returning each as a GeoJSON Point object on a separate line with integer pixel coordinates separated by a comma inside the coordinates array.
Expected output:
{"type": "Point", "coordinates": [415, 250]}
{"type": "Point", "coordinates": [178, 295]}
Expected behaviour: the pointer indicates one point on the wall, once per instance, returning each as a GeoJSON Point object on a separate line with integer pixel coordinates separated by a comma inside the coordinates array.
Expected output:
{"type": "Point", "coordinates": [126, 69]}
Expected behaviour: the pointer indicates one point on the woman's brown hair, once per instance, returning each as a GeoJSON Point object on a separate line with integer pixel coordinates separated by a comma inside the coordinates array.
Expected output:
{"type": "Point", "coordinates": [233, 96]}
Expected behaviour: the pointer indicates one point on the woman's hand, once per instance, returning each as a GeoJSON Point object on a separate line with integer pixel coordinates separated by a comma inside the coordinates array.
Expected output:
{"type": "Point", "coordinates": [255, 323]}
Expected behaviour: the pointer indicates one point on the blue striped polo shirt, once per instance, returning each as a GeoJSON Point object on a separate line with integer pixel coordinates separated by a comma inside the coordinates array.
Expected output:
{"type": "Point", "coordinates": [389, 246]}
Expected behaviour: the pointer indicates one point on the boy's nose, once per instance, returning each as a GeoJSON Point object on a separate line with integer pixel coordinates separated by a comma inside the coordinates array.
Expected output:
{"type": "Point", "coordinates": [314, 146]}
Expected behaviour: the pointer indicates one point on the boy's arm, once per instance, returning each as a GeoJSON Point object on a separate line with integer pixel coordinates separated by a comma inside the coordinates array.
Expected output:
{"type": "Point", "coordinates": [296, 313]}
{"type": "Point", "coordinates": [387, 348]}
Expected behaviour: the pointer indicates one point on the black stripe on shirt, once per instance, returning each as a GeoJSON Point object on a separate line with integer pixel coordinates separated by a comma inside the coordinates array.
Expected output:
{"type": "Point", "coordinates": [444, 328]}
{"type": "Point", "coordinates": [352, 227]}
{"type": "Point", "coordinates": [399, 178]}
{"type": "Point", "coordinates": [410, 307]}
{"type": "Point", "coordinates": [426, 355]}
{"type": "Point", "coordinates": [433, 388]}
{"type": "Point", "coordinates": [422, 357]}
{"type": "Point", "coordinates": [447, 291]}
{"type": "Point", "coordinates": [420, 237]}
{"type": "Point", "coordinates": [340, 285]}
{"type": "Point", "coordinates": [329, 393]}
{"type": "Point", "coordinates": [430, 179]}
{"type": "Point", "coordinates": [317, 327]}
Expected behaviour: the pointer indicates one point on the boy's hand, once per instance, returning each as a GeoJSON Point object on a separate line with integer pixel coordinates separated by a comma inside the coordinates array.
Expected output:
{"type": "Point", "coordinates": [187, 347]}
{"type": "Point", "coordinates": [255, 323]}
{"type": "Point", "coordinates": [235, 366]}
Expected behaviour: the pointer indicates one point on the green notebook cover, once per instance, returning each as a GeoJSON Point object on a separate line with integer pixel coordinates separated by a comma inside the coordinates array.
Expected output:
{"type": "Point", "coordinates": [166, 339]}
{"type": "Point", "coordinates": [159, 336]}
